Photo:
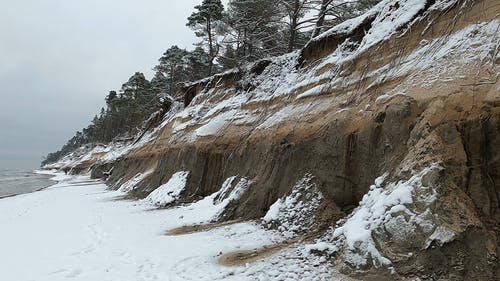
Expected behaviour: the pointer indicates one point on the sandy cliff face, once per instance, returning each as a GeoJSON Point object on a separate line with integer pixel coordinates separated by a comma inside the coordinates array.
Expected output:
{"type": "Point", "coordinates": [392, 119]}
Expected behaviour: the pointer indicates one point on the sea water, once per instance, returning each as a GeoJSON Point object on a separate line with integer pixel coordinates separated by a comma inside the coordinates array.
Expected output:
{"type": "Point", "coordinates": [15, 182]}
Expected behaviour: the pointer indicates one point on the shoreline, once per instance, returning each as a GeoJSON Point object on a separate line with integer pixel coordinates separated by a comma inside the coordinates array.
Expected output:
{"type": "Point", "coordinates": [51, 177]}
{"type": "Point", "coordinates": [37, 190]}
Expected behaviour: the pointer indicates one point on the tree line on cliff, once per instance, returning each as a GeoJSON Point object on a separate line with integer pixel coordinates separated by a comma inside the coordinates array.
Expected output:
{"type": "Point", "coordinates": [243, 32]}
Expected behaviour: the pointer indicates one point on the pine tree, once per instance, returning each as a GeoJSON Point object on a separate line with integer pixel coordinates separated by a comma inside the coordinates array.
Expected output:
{"type": "Point", "coordinates": [229, 59]}
{"type": "Point", "coordinates": [137, 87]}
{"type": "Point", "coordinates": [204, 22]}
{"type": "Point", "coordinates": [159, 83]}
{"type": "Point", "coordinates": [295, 20]}
{"type": "Point", "coordinates": [197, 64]}
{"type": "Point", "coordinates": [256, 28]}
{"type": "Point", "coordinates": [110, 97]}
{"type": "Point", "coordinates": [173, 66]}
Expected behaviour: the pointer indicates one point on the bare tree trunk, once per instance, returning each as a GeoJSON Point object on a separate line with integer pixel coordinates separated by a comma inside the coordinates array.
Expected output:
{"type": "Point", "coordinates": [294, 18]}
{"type": "Point", "coordinates": [210, 47]}
{"type": "Point", "coordinates": [321, 17]}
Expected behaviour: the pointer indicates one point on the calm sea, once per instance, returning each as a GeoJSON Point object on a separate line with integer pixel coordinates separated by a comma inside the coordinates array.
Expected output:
{"type": "Point", "coordinates": [14, 182]}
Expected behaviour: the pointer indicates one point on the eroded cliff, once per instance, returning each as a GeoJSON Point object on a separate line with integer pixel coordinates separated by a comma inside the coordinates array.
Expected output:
{"type": "Point", "coordinates": [379, 141]}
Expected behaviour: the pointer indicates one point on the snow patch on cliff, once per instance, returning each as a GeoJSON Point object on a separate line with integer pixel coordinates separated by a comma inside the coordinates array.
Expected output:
{"type": "Point", "coordinates": [218, 122]}
{"type": "Point", "coordinates": [212, 207]}
{"type": "Point", "coordinates": [170, 191]}
{"type": "Point", "coordinates": [295, 213]}
{"type": "Point", "coordinates": [228, 194]}
{"type": "Point", "coordinates": [444, 57]}
{"type": "Point", "coordinates": [132, 183]}
{"type": "Point", "coordinates": [385, 206]}
{"type": "Point", "coordinates": [387, 17]}
{"type": "Point", "coordinates": [441, 235]}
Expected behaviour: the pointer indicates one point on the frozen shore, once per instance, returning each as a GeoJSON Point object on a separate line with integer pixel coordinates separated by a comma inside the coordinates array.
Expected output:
{"type": "Point", "coordinates": [79, 230]}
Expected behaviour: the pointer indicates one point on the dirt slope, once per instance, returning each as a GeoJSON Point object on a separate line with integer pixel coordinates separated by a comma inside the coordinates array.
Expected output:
{"type": "Point", "coordinates": [404, 96]}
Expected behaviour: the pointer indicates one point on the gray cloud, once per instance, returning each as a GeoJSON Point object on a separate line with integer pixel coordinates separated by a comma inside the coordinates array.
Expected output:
{"type": "Point", "coordinates": [58, 60]}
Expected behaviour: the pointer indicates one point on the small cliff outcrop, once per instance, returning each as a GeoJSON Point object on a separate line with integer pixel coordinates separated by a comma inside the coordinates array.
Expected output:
{"type": "Point", "coordinates": [384, 132]}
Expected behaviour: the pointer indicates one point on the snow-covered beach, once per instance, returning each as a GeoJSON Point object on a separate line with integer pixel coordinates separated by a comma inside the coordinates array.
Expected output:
{"type": "Point", "coordinates": [79, 230]}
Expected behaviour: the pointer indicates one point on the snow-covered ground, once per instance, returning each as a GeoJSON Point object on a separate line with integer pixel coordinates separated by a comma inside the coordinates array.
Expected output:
{"type": "Point", "coordinates": [78, 230]}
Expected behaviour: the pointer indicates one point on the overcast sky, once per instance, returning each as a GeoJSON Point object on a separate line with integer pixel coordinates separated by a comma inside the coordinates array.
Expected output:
{"type": "Point", "coordinates": [59, 59]}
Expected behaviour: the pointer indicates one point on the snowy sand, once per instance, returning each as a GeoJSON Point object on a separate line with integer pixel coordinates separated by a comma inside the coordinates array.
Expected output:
{"type": "Point", "coordinates": [77, 230]}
